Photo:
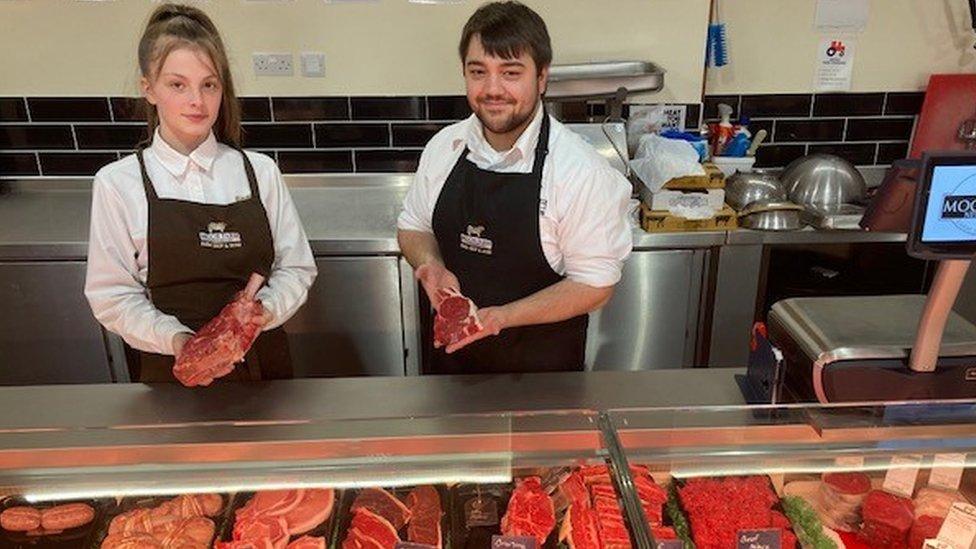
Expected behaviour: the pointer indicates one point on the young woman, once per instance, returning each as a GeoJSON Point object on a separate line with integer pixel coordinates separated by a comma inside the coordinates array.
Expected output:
{"type": "Point", "coordinates": [178, 227]}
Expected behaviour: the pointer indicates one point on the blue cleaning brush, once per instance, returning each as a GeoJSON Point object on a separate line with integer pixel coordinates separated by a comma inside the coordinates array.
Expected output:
{"type": "Point", "coordinates": [717, 54]}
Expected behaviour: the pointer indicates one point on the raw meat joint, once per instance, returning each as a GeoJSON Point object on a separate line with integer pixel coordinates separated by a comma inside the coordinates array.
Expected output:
{"type": "Point", "coordinates": [841, 496]}
{"type": "Point", "coordinates": [222, 342]}
{"type": "Point", "coordinates": [425, 516]}
{"type": "Point", "coordinates": [530, 511]}
{"type": "Point", "coordinates": [456, 319]}
{"type": "Point", "coordinates": [887, 519]}
{"type": "Point", "coordinates": [184, 521]}
{"type": "Point", "coordinates": [384, 504]}
{"type": "Point", "coordinates": [595, 519]}
{"type": "Point", "coordinates": [270, 518]}
{"type": "Point", "coordinates": [370, 531]}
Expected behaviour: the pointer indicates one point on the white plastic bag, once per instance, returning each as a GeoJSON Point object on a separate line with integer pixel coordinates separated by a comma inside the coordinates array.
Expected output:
{"type": "Point", "coordinates": [658, 160]}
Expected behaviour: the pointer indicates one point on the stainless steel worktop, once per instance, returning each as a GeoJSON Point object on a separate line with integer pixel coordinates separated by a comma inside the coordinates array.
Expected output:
{"type": "Point", "coordinates": [343, 215]}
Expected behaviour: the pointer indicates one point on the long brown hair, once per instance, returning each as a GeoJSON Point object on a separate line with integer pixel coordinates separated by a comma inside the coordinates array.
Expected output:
{"type": "Point", "coordinates": [173, 26]}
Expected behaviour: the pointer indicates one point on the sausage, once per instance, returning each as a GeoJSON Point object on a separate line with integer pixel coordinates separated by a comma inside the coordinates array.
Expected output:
{"type": "Point", "coordinates": [64, 517]}
{"type": "Point", "coordinates": [20, 519]}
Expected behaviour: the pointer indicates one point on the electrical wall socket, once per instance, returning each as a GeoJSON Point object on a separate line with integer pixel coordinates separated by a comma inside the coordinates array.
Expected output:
{"type": "Point", "coordinates": [273, 64]}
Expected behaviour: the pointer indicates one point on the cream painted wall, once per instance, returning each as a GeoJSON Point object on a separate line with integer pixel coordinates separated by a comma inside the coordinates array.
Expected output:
{"type": "Point", "coordinates": [772, 45]}
{"type": "Point", "coordinates": [389, 47]}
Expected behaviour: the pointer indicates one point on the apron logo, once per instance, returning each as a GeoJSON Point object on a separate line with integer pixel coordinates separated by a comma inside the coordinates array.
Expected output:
{"type": "Point", "coordinates": [473, 241]}
{"type": "Point", "coordinates": [216, 237]}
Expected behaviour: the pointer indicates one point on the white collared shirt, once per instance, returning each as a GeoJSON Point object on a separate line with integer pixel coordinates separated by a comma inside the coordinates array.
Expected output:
{"type": "Point", "coordinates": [583, 202]}
{"type": "Point", "coordinates": [118, 255]}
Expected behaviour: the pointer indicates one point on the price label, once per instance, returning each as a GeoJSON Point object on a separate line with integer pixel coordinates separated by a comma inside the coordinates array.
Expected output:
{"type": "Point", "coordinates": [770, 538]}
{"type": "Point", "coordinates": [513, 542]}
{"type": "Point", "coordinates": [901, 476]}
{"type": "Point", "coordinates": [481, 511]}
{"type": "Point", "coordinates": [850, 462]}
{"type": "Point", "coordinates": [671, 544]}
{"type": "Point", "coordinates": [947, 471]}
{"type": "Point", "coordinates": [959, 528]}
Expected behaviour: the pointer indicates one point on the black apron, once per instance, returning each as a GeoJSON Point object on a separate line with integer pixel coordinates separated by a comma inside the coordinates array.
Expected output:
{"type": "Point", "coordinates": [487, 229]}
{"type": "Point", "coordinates": [200, 256]}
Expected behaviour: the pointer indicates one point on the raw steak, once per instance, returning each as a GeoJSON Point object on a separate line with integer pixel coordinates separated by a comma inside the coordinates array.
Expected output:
{"type": "Point", "coordinates": [579, 529]}
{"type": "Point", "coordinates": [370, 530]}
{"type": "Point", "coordinates": [530, 511]}
{"type": "Point", "coordinates": [307, 542]}
{"type": "Point", "coordinates": [574, 490]}
{"type": "Point", "coordinates": [384, 504]}
{"type": "Point", "coordinates": [887, 519]}
{"type": "Point", "coordinates": [456, 319]}
{"type": "Point", "coordinates": [261, 529]}
{"type": "Point", "coordinates": [925, 527]}
{"type": "Point", "coordinates": [425, 516]}
{"type": "Point", "coordinates": [314, 508]}
{"type": "Point", "coordinates": [223, 341]}
{"type": "Point", "coordinates": [271, 503]}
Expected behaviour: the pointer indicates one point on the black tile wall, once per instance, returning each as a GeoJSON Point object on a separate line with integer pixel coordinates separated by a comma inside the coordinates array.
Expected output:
{"type": "Point", "coordinates": [23, 136]}
{"type": "Point", "coordinates": [344, 136]}
{"type": "Point", "coordinates": [284, 136]}
{"type": "Point", "coordinates": [389, 108]}
{"type": "Point", "coordinates": [68, 109]}
{"type": "Point", "coordinates": [904, 103]}
{"type": "Point", "coordinates": [414, 135]}
{"type": "Point", "coordinates": [255, 109]}
{"type": "Point", "coordinates": [448, 107]}
{"type": "Point", "coordinates": [13, 109]}
{"type": "Point", "coordinates": [18, 164]}
{"type": "Point", "coordinates": [877, 129]}
{"type": "Point", "coordinates": [74, 163]}
{"type": "Point", "coordinates": [386, 134]}
{"type": "Point", "coordinates": [128, 109]}
{"type": "Point", "coordinates": [758, 106]}
{"type": "Point", "coordinates": [310, 108]}
{"type": "Point", "coordinates": [387, 161]}
{"type": "Point", "coordinates": [860, 154]}
{"type": "Point", "coordinates": [809, 130]}
{"type": "Point", "coordinates": [848, 104]}
{"type": "Point", "coordinates": [315, 161]}
{"type": "Point", "coordinates": [110, 136]}
{"type": "Point", "coordinates": [889, 152]}
{"type": "Point", "coordinates": [770, 156]}
{"type": "Point", "coordinates": [866, 128]}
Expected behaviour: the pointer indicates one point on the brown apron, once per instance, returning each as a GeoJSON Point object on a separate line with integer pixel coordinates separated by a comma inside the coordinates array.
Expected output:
{"type": "Point", "coordinates": [200, 256]}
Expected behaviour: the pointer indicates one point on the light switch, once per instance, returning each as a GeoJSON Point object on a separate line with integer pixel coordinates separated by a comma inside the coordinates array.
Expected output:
{"type": "Point", "coordinates": [313, 64]}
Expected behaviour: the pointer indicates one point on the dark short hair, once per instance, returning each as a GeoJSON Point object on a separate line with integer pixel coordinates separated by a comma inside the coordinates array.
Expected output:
{"type": "Point", "coordinates": [506, 29]}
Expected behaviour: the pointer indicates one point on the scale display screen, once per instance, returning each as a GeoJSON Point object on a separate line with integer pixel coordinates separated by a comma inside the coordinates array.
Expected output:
{"type": "Point", "coordinates": [944, 224]}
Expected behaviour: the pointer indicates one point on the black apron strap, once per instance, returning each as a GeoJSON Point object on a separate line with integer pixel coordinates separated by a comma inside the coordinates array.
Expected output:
{"type": "Point", "coordinates": [146, 182]}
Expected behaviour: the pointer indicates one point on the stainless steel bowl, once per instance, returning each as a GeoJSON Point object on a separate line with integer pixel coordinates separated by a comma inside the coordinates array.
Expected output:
{"type": "Point", "coordinates": [771, 215]}
{"type": "Point", "coordinates": [823, 180]}
{"type": "Point", "coordinates": [742, 189]}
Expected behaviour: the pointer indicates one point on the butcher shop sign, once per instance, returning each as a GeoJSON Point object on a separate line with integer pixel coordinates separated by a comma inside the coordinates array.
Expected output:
{"type": "Point", "coordinates": [217, 237]}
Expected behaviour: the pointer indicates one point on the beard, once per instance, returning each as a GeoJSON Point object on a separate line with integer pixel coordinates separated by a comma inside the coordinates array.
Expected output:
{"type": "Point", "coordinates": [506, 124]}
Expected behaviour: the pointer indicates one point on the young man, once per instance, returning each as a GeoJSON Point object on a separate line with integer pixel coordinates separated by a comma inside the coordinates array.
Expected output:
{"type": "Point", "coordinates": [514, 210]}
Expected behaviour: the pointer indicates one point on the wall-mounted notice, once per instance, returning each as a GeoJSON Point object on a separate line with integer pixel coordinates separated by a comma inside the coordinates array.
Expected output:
{"type": "Point", "coordinates": [835, 64]}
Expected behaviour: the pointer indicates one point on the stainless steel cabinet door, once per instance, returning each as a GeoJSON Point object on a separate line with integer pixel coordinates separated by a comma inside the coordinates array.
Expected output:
{"type": "Point", "coordinates": [651, 321]}
{"type": "Point", "coordinates": [351, 324]}
{"type": "Point", "coordinates": [47, 331]}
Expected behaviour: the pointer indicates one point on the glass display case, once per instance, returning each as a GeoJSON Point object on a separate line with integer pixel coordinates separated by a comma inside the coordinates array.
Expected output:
{"type": "Point", "coordinates": [707, 477]}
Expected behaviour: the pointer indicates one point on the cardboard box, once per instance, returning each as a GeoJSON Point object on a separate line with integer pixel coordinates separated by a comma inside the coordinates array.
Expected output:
{"type": "Point", "coordinates": [654, 221]}
{"type": "Point", "coordinates": [713, 179]}
{"type": "Point", "coordinates": [666, 199]}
